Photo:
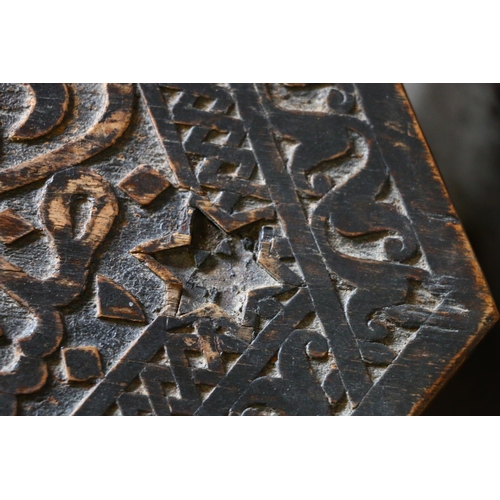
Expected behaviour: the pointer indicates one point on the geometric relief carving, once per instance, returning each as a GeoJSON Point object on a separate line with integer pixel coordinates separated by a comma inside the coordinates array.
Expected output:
{"type": "Point", "coordinates": [82, 363]}
{"type": "Point", "coordinates": [304, 260]}
{"type": "Point", "coordinates": [114, 302]}
{"type": "Point", "coordinates": [13, 226]}
{"type": "Point", "coordinates": [143, 184]}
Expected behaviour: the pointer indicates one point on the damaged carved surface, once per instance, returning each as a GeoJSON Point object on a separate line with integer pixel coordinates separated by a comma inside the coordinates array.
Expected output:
{"type": "Point", "coordinates": [226, 249]}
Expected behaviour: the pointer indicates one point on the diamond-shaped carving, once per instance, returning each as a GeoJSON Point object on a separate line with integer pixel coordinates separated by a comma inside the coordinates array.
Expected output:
{"type": "Point", "coordinates": [143, 184]}
{"type": "Point", "coordinates": [82, 363]}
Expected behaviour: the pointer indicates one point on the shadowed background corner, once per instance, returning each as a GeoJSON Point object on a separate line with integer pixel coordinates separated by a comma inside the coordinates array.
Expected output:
{"type": "Point", "coordinates": [461, 123]}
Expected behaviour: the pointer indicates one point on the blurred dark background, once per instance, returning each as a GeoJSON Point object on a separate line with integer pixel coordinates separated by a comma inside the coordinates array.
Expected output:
{"type": "Point", "coordinates": [461, 123]}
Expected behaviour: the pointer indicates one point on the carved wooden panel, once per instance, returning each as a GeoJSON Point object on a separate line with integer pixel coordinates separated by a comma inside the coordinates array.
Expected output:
{"type": "Point", "coordinates": [226, 249]}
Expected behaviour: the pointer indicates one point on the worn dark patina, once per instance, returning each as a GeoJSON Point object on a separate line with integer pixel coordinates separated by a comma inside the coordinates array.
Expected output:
{"type": "Point", "coordinates": [227, 249]}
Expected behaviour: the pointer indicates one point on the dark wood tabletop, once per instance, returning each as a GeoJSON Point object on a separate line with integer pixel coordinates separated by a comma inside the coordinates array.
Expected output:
{"type": "Point", "coordinates": [227, 249]}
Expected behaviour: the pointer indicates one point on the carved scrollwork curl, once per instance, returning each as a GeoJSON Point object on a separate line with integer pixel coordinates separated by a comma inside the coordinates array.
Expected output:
{"type": "Point", "coordinates": [296, 391]}
{"type": "Point", "coordinates": [49, 104]}
{"type": "Point", "coordinates": [104, 132]}
{"type": "Point", "coordinates": [43, 297]}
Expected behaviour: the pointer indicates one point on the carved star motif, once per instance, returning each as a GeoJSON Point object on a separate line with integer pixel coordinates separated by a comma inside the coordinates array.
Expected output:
{"type": "Point", "coordinates": [203, 266]}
